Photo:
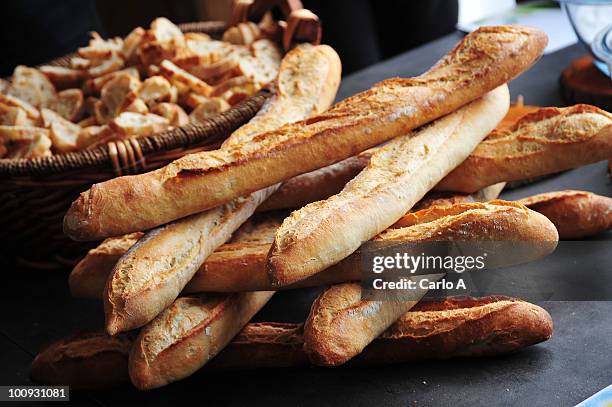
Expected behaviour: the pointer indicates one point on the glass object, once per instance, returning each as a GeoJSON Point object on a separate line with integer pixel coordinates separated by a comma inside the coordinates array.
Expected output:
{"type": "Point", "coordinates": [592, 22]}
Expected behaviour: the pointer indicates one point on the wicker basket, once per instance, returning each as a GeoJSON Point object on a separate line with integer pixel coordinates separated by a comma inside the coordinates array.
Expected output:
{"type": "Point", "coordinates": [35, 194]}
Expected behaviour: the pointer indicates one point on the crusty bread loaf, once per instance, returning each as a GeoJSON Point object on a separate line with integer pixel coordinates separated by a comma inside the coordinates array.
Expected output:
{"type": "Point", "coordinates": [576, 214]}
{"type": "Point", "coordinates": [538, 135]}
{"type": "Point", "coordinates": [316, 185]}
{"type": "Point", "coordinates": [84, 361]}
{"type": "Point", "coordinates": [188, 334]}
{"type": "Point", "coordinates": [327, 181]}
{"type": "Point", "coordinates": [495, 220]}
{"type": "Point", "coordinates": [307, 82]}
{"type": "Point", "coordinates": [264, 345]}
{"type": "Point", "coordinates": [341, 324]}
{"type": "Point", "coordinates": [398, 175]}
{"type": "Point", "coordinates": [88, 277]}
{"type": "Point", "coordinates": [240, 265]}
{"type": "Point", "coordinates": [544, 142]}
{"type": "Point", "coordinates": [246, 251]}
{"type": "Point", "coordinates": [459, 326]}
{"type": "Point", "coordinates": [152, 273]}
{"type": "Point", "coordinates": [455, 327]}
{"type": "Point", "coordinates": [484, 60]}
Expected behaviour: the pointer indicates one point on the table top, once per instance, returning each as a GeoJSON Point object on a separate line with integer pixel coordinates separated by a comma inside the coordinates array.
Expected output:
{"type": "Point", "coordinates": [565, 370]}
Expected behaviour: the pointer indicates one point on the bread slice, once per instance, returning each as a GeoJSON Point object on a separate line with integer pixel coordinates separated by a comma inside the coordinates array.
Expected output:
{"type": "Point", "coordinates": [31, 86]}
{"type": "Point", "coordinates": [68, 103]}
{"type": "Point", "coordinates": [63, 77]}
{"type": "Point", "coordinates": [63, 133]}
{"type": "Point", "coordinates": [398, 175]}
{"type": "Point", "coordinates": [484, 60]}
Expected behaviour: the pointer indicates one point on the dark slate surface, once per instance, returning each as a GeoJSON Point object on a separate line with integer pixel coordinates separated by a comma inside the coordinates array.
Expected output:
{"type": "Point", "coordinates": [574, 364]}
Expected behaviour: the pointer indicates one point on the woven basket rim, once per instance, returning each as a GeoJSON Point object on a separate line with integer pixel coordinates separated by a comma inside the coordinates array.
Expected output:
{"type": "Point", "coordinates": [159, 142]}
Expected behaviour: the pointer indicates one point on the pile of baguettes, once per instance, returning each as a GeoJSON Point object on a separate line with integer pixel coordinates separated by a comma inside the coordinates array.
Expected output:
{"type": "Point", "coordinates": [444, 131]}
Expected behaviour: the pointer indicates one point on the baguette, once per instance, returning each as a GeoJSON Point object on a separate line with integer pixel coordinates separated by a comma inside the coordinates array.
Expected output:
{"type": "Point", "coordinates": [307, 82]}
{"type": "Point", "coordinates": [341, 324]}
{"type": "Point", "coordinates": [188, 334]}
{"type": "Point", "coordinates": [89, 276]}
{"type": "Point", "coordinates": [460, 327]}
{"type": "Point", "coordinates": [240, 264]}
{"type": "Point", "coordinates": [544, 142]}
{"type": "Point", "coordinates": [241, 267]}
{"type": "Point", "coordinates": [494, 220]}
{"type": "Point", "coordinates": [327, 181]}
{"type": "Point", "coordinates": [455, 327]}
{"type": "Point", "coordinates": [481, 62]}
{"type": "Point", "coordinates": [150, 276]}
{"type": "Point", "coordinates": [316, 185]}
{"type": "Point", "coordinates": [152, 273]}
{"type": "Point", "coordinates": [576, 214]}
{"type": "Point", "coordinates": [85, 361]}
{"type": "Point", "coordinates": [398, 176]}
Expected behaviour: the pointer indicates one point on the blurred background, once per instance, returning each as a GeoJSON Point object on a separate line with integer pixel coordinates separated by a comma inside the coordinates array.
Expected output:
{"type": "Point", "coordinates": [362, 31]}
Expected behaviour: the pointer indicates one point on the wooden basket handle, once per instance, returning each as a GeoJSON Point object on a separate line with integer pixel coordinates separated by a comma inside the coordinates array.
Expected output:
{"type": "Point", "coordinates": [301, 25]}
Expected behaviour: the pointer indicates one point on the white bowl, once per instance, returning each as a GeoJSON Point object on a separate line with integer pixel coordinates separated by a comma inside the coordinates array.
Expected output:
{"type": "Point", "coordinates": [592, 22]}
